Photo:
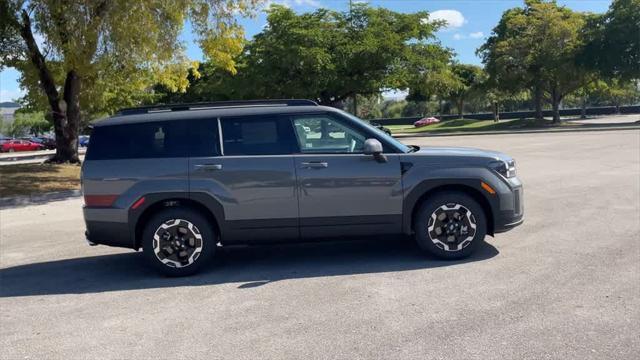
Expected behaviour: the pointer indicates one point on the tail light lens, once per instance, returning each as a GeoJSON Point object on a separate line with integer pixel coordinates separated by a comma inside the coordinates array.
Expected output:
{"type": "Point", "coordinates": [99, 200]}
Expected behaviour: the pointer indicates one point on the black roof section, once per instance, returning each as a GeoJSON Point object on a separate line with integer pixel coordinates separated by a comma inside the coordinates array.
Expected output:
{"type": "Point", "coordinates": [213, 105]}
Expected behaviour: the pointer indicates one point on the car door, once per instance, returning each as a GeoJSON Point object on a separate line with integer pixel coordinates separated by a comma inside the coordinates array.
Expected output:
{"type": "Point", "coordinates": [341, 191]}
{"type": "Point", "coordinates": [251, 174]}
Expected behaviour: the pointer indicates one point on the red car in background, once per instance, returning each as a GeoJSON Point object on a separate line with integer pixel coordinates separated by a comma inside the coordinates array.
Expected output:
{"type": "Point", "coordinates": [426, 121]}
{"type": "Point", "coordinates": [20, 145]}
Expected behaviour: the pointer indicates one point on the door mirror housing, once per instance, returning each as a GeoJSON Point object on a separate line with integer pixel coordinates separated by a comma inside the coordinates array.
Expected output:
{"type": "Point", "coordinates": [374, 147]}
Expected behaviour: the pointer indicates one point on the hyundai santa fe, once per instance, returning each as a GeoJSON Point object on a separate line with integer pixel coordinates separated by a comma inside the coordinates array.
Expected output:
{"type": "Point", "coordinates": [178, 181]}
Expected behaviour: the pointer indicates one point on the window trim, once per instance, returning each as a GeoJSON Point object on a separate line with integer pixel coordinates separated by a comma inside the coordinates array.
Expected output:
{"type": "Point", "coordinates": [220, 139]}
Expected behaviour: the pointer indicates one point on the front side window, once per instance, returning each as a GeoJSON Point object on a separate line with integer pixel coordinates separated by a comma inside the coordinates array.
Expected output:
{"type": "Point", "coordinates": [259, 135]}
{"type": "Point", "coordinates": [324, 134]}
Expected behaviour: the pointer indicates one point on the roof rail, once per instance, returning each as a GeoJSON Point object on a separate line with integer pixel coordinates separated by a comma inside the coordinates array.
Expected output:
{"type": "Point", "coordinates": [214, 104]}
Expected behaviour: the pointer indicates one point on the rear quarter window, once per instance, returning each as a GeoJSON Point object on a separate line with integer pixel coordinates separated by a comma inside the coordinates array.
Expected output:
{"type": "Point", "coordinates": [141, 140]}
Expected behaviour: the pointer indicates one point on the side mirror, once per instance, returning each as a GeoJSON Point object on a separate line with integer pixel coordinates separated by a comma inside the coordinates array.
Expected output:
{"type": "Point", "coordinates": [374, 147]}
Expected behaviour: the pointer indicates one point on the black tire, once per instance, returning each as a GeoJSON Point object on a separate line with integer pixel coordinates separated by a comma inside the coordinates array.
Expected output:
{"type": "Point", "coordinates": [168, 217]}
{"type": "Point", "coordinates": [429, 213]}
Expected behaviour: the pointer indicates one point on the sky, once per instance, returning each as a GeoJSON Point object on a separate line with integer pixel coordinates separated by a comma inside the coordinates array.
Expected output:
{"type": "Point", "coordinates": [469, 24]}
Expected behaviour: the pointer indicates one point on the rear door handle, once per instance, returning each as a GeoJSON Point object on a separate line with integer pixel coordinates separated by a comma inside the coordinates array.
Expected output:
{"type": "Point", "coordinates": [315, 164]}
{"type": "Point", "coordinates": [208, 167]}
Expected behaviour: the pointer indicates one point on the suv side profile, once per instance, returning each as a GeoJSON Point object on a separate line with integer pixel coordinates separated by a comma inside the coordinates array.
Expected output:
{"type": "Point", "coordinates": [178, 181]}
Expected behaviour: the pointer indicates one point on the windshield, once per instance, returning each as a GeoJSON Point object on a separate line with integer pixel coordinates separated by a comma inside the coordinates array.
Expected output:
{"type": "Point", "coordinates": [389, 139]}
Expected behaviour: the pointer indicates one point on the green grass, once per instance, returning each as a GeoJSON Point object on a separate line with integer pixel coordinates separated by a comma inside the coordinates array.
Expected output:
{"type": "Point", "coordinates": [464, 125]}
{"type": "Point", "coordinates": [31, 179]}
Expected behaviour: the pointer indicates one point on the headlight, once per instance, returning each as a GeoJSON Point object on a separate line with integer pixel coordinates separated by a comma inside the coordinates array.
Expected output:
{"type": "Point", "coordinates": [506, 169]}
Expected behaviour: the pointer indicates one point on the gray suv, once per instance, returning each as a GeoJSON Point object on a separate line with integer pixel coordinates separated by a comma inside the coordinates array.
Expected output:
{"type": "Point", "coordinates": [179, 180]}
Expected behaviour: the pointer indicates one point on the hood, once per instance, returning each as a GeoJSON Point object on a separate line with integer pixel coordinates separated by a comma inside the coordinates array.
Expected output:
{"type": "Point", "coordinates": [461, 152]}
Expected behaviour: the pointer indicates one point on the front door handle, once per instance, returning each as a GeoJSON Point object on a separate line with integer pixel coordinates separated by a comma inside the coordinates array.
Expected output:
{"type": "Point", "coordinates": [208, 167]}
{"type": "Point", "coordinates": [315, 164]}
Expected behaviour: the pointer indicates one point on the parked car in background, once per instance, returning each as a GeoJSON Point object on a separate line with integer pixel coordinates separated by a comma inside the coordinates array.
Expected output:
{"type": "Point", "coordinates": [21, 145]}
{"type": "Point", "coordinates": [426, 121]}
{"type": "Point", "coordinates": [83, 140]}
{"type": "Point", "coordinates": [47, 142]}
{"type": "Point", "coordinates": [4, 139]}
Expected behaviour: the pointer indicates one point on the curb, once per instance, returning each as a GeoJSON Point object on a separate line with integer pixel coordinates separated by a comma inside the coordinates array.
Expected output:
{"type": "Point", "coordinates": [17, 201]}
{"type": "Point", "coordinates": [509, 132]}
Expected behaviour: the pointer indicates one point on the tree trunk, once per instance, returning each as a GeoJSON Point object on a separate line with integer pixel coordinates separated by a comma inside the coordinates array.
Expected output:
{"type": "Point", "coordinates": [355, 105]}
{"type": "Point", "coordinates": [67, 129]}
{"type": "Point", "coordinates": [496, 112]}
{"type": "Point", "coordinates": [583, 111]}
{"type": "Point", "coordinates": [460, 108]}
{"type": "Point", "coordinates": [555, 102]}
{"type": "Point", "coordinates": [538, 102]}
{"type": "Point", "coordinates": [66, 138]}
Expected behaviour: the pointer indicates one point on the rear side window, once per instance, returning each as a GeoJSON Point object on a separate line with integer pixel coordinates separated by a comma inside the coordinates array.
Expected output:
{"type": "Point", "coordinates": [259, 135]}
{"type": "Point", "coordinates": [138, 141]}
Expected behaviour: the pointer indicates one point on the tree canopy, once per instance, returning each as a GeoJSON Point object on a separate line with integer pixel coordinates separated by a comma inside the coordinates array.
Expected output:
{"type": "Point", "coordinates": [97, 55]}
{"type": "Point", "coordinates": [537, 47]}
{"type": "Point", "coordinates": [328, 56]}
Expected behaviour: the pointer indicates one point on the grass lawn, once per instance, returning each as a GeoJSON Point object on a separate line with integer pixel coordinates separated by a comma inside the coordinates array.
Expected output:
{"type": "Point", "coordinates": [474, 125]}
{"type": "Point", "coordinates": [31, 179]}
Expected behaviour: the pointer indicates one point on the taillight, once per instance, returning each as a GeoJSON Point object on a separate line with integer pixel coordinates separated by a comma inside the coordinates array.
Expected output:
{"type": "Point", "coordinates": [99, 200]}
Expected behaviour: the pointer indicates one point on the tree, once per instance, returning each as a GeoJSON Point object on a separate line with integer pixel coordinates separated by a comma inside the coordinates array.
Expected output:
{"type": "Point", "coordinates": [469, 79]}
{"type": "Point", "coordinates": [613, 48]}
{"type": "Point", "coordinates": [78, 52]}
{"type": "Point", "coordinates": [618, 93]}
{"type": "Point", "coordinates": [33, 123]}
{"type": "Point", "coordinates": [536, 47]}
{"type": "Point", "coordinates": [332, 56]}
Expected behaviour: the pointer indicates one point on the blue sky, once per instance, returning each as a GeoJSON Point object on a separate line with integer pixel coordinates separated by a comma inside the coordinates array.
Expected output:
{"type": "Point", "coordinates": [470, 22]}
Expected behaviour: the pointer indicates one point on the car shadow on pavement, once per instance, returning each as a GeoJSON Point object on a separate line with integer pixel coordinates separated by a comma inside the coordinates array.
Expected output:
{"type": "Point", "coordinates": [248, 266]}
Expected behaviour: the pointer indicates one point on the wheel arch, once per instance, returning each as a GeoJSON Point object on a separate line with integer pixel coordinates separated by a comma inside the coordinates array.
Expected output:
{"type": "Point", "coordinates": [159, 204]}
{"type": "Point", "coordinates": [427, 189]}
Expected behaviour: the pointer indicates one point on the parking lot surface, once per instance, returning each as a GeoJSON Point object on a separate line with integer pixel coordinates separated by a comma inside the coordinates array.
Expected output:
{"type": "Point", "coordinates": [564, 285]}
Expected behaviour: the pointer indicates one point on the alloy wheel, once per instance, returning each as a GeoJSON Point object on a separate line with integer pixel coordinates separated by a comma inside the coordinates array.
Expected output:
{"type": "Point", "coordinates": [177, 243]}
{"type": "Point", "coordinates": [452, 227]}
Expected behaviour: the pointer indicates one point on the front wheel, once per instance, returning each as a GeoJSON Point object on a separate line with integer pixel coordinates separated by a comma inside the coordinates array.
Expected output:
{"type": "Point", "coordinates": [450, 225]}
{"type": "Point", "coordinates": [178, 241]}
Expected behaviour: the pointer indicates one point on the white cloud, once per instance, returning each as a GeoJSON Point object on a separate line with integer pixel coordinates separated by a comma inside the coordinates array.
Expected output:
{"type": "Point", "coordinates": [454, 18]}
{"type": "Point", "coordinates": [476, 35]}
{"type": "Point", "coordinates": [291, 3]}
{"type": "Point", "coordinates": [458, 36]}
{"type": "Point", "coordinates": [10, 95]}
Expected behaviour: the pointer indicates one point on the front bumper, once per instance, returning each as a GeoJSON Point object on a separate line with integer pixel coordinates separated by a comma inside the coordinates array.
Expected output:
{"type": "Point", "coordinates": [511, 213]}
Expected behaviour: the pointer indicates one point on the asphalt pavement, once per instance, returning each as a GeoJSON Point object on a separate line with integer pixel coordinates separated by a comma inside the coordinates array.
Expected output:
{"type": "Point", "coordinates": [564, 285]}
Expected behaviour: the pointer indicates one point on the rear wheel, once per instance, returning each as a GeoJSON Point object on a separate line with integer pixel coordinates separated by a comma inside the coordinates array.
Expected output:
{"type": "Point", "coordinates": [450, 225]}
{"type": "Point", "coordinates": [178, 242]}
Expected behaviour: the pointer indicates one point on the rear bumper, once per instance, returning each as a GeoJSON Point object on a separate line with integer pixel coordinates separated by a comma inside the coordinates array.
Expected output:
{"type": "Point", "coordinates": [104, 229]}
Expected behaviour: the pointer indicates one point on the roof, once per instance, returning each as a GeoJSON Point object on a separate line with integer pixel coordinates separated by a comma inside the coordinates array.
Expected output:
{"type": "Point", "coordinates": [202, 112]}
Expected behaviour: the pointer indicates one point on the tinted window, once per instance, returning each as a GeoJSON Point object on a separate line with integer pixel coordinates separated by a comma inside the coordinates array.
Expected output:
{"type": "Point", "coordinates": [142, 140]}
{"type": "Point", "coordinates": [261, 135]}
{"type": "Point", "coordinates": [203, 138]}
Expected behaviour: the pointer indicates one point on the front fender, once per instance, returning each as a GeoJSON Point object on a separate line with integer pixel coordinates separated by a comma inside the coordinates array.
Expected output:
{"type": "Point", "coordinates": [419, 182]}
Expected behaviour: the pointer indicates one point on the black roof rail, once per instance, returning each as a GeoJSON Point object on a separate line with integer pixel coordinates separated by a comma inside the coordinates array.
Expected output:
{"type": "Point", "coordinates": [214, 104]}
